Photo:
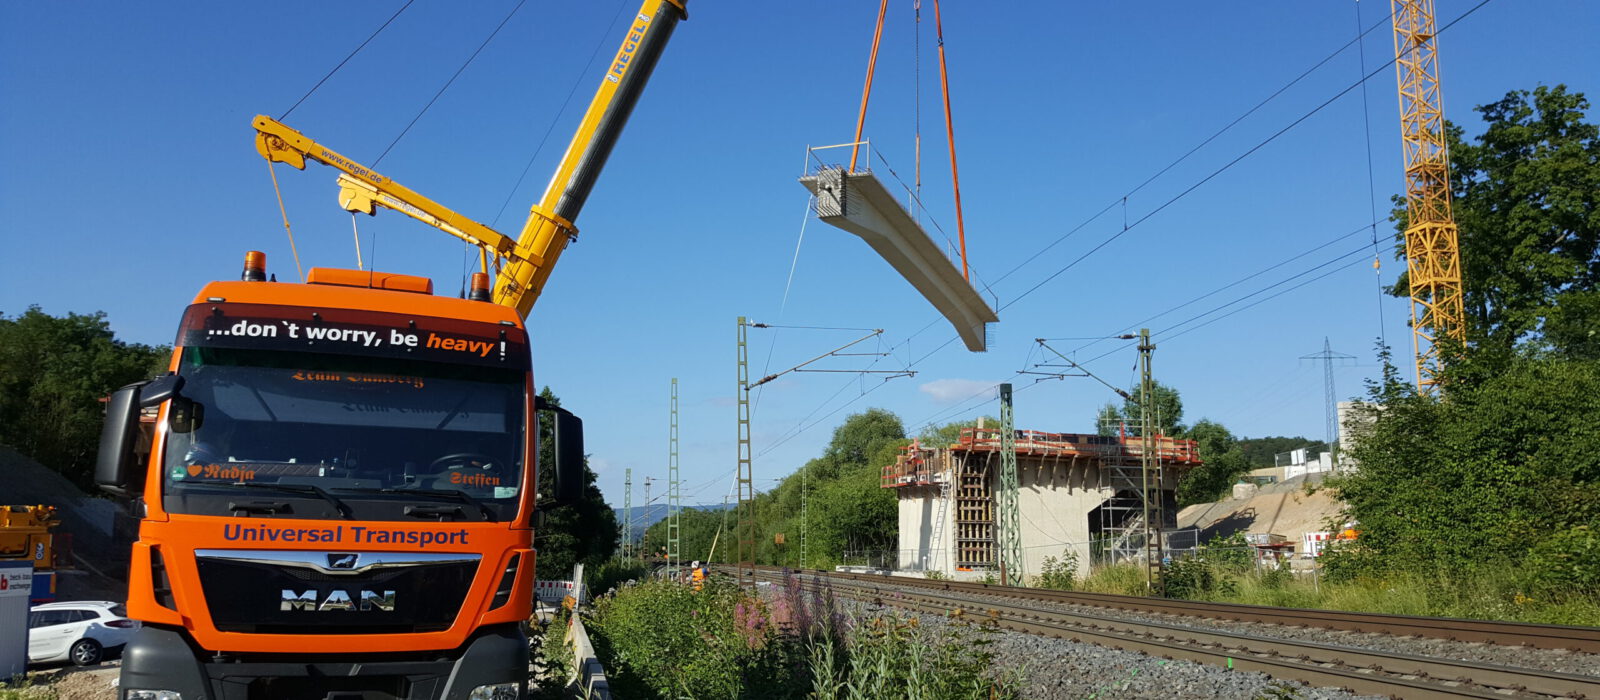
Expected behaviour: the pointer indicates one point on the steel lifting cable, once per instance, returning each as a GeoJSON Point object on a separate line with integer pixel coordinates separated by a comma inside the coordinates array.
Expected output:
{"type": "Point", "coordinates": [1372, 188]}
{"type": "Point", "coordinates": [357, 50]}
{"type": "Point", "coordinates": [285, 212]}
{"type": "Point", "coordinates": [916, 70]}
{"type": "Point", "coordinates": [866, 90]}
{"type": "Point", "coordinates": [451, 81]}
{"type": "Point", "coordinates": [784, 305]}
{"type": "Point", "coordinates": [950, 135]}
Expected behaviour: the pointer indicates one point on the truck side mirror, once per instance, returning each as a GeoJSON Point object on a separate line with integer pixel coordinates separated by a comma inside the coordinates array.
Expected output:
{"type": "Point", "coordinates": [159, 389]}
{"type": "Point", "coordinates": [568, 485]}
{"type": "Point", "coordinates": [113, 469]}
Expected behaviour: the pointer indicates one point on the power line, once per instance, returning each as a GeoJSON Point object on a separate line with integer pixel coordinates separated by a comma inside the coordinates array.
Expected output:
{"type": "Point", "coordinates": [1218, 290]}
{"type": "Point", "coordinates": [1123, 200]}
{"type": "Point", "coordinates": [1225, 167]}
{"type": "Point", "coordinates": [336, 68]}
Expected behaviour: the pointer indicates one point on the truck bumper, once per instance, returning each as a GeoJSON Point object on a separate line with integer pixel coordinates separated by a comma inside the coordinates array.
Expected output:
{"type": "Point", "coordinates": [163, 658]}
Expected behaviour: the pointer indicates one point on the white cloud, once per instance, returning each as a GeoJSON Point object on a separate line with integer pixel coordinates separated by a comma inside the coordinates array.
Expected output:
{"type": "Point", "coordinates": [947, 391]}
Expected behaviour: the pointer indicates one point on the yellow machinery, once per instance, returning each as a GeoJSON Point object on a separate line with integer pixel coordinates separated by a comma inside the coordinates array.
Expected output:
{"type": "Point", "coordinates": [26, 534]}
{"type": "Point", "coordinates": [531, 256]}
{"type": "Point", "coordinates": [1433, 251]}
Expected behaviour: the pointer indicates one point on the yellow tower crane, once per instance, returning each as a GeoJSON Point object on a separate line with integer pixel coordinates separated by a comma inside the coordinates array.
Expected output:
{"type": "Point", "coordinates": [1433, 251]}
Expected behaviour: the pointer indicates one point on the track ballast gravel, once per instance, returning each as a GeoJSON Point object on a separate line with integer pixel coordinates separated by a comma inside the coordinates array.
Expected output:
{"type": "Point", "coordinates": [1522, 657]}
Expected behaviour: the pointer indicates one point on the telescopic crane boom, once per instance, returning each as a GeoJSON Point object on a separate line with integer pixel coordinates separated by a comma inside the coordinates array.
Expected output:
{"type": "Point", "coordinates": [532, 255]}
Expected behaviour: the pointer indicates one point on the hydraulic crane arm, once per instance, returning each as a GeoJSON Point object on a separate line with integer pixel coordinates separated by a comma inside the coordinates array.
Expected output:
{"type": "Point", "coordinates": [362, 189]}
{"type": "Point", "coordinates": [549, 227]}
{"type": "Point", "coordinates": [550, 222]}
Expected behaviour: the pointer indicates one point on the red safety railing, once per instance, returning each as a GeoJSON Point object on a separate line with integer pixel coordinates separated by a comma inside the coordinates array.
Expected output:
{"type": "Point", "coordinates": [911, 466]}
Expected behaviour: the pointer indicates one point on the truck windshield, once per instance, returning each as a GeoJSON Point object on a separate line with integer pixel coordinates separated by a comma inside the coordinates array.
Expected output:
{"type": "Point", "coordinates": [385, 437]}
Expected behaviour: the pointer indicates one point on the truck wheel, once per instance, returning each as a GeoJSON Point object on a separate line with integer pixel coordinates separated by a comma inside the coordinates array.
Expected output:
{"type": "Point", "coordinates": [85, 652]}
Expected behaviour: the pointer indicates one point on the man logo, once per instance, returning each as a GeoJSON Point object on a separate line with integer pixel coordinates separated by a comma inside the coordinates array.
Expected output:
{"type": "Point", "coordinates": [342, 561]}
{"type": "Point", "coordinates": [312, 600]}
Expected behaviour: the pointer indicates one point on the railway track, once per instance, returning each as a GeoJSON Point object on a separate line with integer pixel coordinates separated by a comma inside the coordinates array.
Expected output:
{"type": "Point", "coordinates": [1582, 639]}
{"type": "Point", "coordinates": [1365, 671]}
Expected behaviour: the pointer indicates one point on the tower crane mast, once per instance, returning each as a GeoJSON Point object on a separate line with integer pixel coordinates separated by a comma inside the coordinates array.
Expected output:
{"type": "Point", "coordinates": [1433, 251]}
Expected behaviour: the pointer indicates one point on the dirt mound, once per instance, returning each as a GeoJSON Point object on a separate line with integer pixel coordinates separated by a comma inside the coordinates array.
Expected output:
{"type": "Point", "coordinates": [1284, 508]}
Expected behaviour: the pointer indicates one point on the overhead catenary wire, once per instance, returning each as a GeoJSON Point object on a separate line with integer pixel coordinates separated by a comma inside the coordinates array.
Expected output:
{"type": "Point", "coordinates": [346, 59]}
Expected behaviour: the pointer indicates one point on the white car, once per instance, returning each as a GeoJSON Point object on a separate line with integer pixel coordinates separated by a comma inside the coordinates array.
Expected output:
{"type": "Point", "coordinates": [81, 631]}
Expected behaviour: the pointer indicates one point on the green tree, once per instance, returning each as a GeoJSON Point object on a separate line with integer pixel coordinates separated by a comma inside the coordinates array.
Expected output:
{"type": "Point", "coordinates": [848, 509]}
{"type": "Point", "coordinates": [1503, 472]}
{"type": "Point", "coordinates": [1165, 402]}
{"type": "Point", "coordinates": [1527, 203]}
{"type": "Point", "coordinates": [1223, 462]}
{"type": "Point", "coordinates": [947, 434]}
{"type": "Point", "coordinates": [1260, 452]}
{"type": "Point", "coordinates": [585, 531]}
{"type": "Point", "coordinates": [53, 372]}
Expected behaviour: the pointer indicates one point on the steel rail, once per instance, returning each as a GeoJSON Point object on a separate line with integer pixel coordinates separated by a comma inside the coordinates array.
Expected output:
{"type": "Point", "coordinates": [1572, 638]}
{"type": "Point", "coordinates": [1364, 671]}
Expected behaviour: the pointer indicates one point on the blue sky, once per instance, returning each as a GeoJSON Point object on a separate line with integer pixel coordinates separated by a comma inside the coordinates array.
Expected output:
{"type": "Point", "coordinates": [130, 179]}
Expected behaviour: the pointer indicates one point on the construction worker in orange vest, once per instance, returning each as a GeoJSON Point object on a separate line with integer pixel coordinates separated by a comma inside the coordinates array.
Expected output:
{"type": "Point", "coordinates": [697, 574]}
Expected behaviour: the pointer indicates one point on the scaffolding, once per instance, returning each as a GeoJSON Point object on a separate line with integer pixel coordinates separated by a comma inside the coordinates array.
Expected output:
{"type": "Point", "coordinates": [975, 544]}
{"type": "Point", "coordinates": [969, 471]}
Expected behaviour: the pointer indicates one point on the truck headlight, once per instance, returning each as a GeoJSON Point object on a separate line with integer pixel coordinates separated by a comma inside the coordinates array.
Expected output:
{"type": "Point", "coordinates": [154, 695]}
{"type": "Point", "coordinates": [496, 691]}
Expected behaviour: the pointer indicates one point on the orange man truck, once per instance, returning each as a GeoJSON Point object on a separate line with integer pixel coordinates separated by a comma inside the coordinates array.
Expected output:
{"type": "Point", "coordinates": [339, 498]}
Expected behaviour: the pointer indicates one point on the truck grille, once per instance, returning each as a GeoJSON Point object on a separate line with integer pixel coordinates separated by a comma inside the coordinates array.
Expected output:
{"type": "Point", "coordinates": [280, 593]}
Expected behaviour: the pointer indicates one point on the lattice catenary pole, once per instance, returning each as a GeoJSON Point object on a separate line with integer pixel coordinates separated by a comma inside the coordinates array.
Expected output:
{"type": "Point", "coordinates": [674, 519]}
{"type": "Point", "coordinates": [627, 512]}
{"type": "Point", "coordinates": [1149, 466]}
{"type": "Point", "coordinates": [1012, 570]}
{"type": "Point", "coordinates": [746, 535]}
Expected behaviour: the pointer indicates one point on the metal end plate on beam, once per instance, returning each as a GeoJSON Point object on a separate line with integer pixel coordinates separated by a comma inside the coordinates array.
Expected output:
{"type": "Point", "coordinates": [859, 203]}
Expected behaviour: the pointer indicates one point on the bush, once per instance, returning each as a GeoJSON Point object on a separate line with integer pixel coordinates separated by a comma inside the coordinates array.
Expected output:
{"type": "Point", "coordinates": [1194, 577]}
{"type": "Point", "coordinates": [554, 657]}
{"type": "Point", "coordinates": [662, 640]}
{"type": "Point", "coordinates": [892, 655]}
{"type": "Point", "coordinates": [1060, 574]}
{"type": "Point", "coordinates": [614, 572]}
{"type": "Point", "coordinates": [1566, 561]}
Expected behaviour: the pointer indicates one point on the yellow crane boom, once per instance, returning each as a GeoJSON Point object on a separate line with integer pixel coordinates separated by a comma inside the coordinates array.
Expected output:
{"type": "Point", "coordinates": [1433, 251]}
{"type": "Point", "coordinates": [532, 255]}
